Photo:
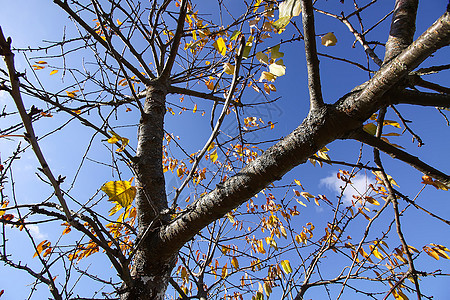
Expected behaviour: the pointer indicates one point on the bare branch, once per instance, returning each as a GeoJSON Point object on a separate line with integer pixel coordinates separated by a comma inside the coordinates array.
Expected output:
{"type": "Point", "coordinates": [420, 98]}
{"type": "Point", "coordinates": [399, 154]}
{"type": "Point", "coordinates": [5, 47]}
{"type": "Point", "coordinates": [312, 62]}
{"type": "Point", "coordinates": [403, 26]}
{"type": "Point", "coordinates": [175, 41]}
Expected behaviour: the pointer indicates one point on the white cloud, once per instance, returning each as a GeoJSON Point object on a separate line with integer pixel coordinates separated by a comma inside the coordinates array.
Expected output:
{"type": "Point", "coordinates": [4, 98]}
{"type": "Point", "coordinates": [359, 187]}
{"type": "Point", "coordinates": [36, 232]}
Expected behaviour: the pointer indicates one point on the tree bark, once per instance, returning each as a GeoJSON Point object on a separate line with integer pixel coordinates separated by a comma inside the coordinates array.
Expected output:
{"type": "Point", "coordinates": [150, 273]}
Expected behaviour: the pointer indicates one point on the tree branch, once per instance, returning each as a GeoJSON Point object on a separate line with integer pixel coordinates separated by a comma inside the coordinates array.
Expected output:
{"type": "Point", "coordinates": [403, 26]}
{"type": "Point", "coordinates": [175, 41]}
{"type": "Point", "coordinates": [183, 91]}
{"type": "Point", "coordinates": [5, 46]}
{"type": "Point", "coordinates": [399, 154]}
{"type": "Point", "coordinates": [79, 20]}
{"type": "Point", "coordinates": [219, 121]}
{"type": "Point", "coordinates": [419, 98]}
{"type": "Point", "coordinates": [312, 62]}
{"type": "Point", "coordinates": [327, 124]}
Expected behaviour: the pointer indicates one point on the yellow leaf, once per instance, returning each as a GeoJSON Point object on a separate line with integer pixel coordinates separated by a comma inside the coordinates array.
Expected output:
{"type": "Point", "coordinates": [248, 47]}
{"type": "Point", "coordinates": [281, 23]}
{"type": "Point", "coordinates": [41, 62]}
{"type": "Point", "coordinates": [267, 76]}
{"type": "Point", "coordinates": [224, 271]}
{"type": "Point", "coordinates": [261, 247]}
{"type": "Point", "coordinates": [275, 52]}
{"type": "Point", "coordinates": [235, 263]}
{"type": "Point", "coordinates": [392, 123]}
{"type": "Point", "coordinates": [41, 247]}
{"type": "Point", "coordinates": [431, 252]}
{"type": "Point", "coordinates": [286, 265]}
{"type": "Point", "coordinates": [121, 192]}
{"type": "Point", "coordinates": [230, 218]}
{"type": "Point", "coordinates": [372, 200]}
{"type": "Point", "coordinates": [115, 209]}
{"type": "Point", "coordinates": [220, 46]}
{"type": "Point", "coordinates": [267, 288]}
{"type": "Point", "coordinates": [301, 203]}
{"type": "Point", "coordinates": [370, 128]}
{"type": "Point", "coordinates": [213, 155]}
{"type": "Point", "coordinates": [375, 252]}
{"type": "Point", "coordinates": [211, 146]}
{"type": "Point", "coordinates": [72, 94]}
{"type": "Point", "coordinates": [180, 172]}
{"type": "Point", "coordinates": [53, 72]}
{"type": "Point", "coordinates": [117, 138]}
{"type": "Point", "coordinates": [298, 183]}
{"type": "Point", "coordinates": [306, 195]}
{"type": "Point", "coordinates": [228, 68]}
{"type": "Point", "coordinates": [36, 67]}
{"type": "Point", "coordinates": [235, 35]}
{"type": "Point", "coordinates": [329, 39]}
{"type": "Point", "coordinates": [118, 22]}
{"type": "Point", "coordinates": [195, 108]}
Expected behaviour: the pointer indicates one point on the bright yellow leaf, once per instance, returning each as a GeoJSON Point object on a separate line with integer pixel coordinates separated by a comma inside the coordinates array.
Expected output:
{"type": "Point", "coordinates": [220, 46]}
{"type": "Point", "coordinates": [261, 247]}
{"type": "Point", "coordinates": [117, 138]}
{"type": "Point", "coordinates": [286, 265]}
{"type": "Point", "coordinates": [195, 108]}
{"type": "Point", "coordinates": [392, 123]}
{"type": "Point", "coordinates": [53, 72]}
{"type": "Point", "coordinates": [211, 146]}
{"type": "Point", "coordinates": [121, 192]}
{"type": "Point", "coordinates": [115, 209]}
{"type": "Point", "coordinates": [213, 155]}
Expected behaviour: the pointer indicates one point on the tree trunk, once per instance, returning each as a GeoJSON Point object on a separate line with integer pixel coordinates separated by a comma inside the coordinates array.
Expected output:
{"type": "Point", "coordinates": [149, 272]}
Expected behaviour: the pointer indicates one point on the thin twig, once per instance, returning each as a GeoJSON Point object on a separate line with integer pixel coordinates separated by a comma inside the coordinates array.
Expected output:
{"type": "Point", "coordinates": [215, 132]}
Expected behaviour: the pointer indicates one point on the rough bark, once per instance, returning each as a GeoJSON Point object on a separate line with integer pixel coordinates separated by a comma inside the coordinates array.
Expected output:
{"type": "Point", "coordinates": [150, 274]}
{"type": "Point", "coordinates": [403, 26]}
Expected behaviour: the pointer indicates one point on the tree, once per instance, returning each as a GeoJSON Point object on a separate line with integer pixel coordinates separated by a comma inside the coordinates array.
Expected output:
{"type": "Point", "coordinates": [202, 248]}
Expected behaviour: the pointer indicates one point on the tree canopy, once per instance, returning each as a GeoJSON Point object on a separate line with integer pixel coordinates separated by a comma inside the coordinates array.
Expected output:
{"type": "Point", "coordinates": [227, 150]}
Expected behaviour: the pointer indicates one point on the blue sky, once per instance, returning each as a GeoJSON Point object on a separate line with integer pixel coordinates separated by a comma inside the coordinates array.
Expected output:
{"type": "Point", "coordinates": [42, 20]}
